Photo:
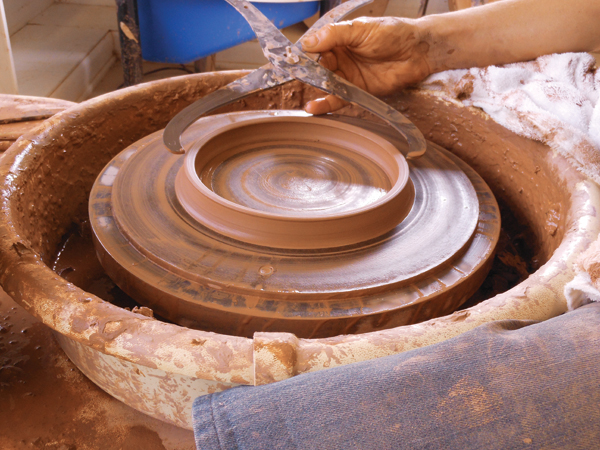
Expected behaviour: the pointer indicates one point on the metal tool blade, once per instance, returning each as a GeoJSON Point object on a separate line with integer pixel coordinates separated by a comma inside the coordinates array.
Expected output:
{"type": "Point", "coordinates": [295, 63]}
{"type": "Point", "coordinates": [263, 78]}
{"type": "Point", "coordinates": [288, 61]}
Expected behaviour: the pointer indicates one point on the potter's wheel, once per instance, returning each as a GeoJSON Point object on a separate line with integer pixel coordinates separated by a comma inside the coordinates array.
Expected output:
{"type": "Point", "coordinates": [297, 232]}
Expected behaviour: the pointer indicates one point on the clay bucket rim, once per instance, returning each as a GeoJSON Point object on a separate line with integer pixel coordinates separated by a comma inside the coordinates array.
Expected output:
{"type": "Point", "coordinates": [172, 348]}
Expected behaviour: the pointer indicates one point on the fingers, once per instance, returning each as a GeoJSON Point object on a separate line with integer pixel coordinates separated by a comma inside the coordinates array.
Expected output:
{"type": "Point", "coordinates": [324, 105]}
{"type": "Point", "coordinates": [329, 103]}
{"type": "Point", "coordinates": [330, 36]}
{"type": "Point", "coordinates": [329, 61]}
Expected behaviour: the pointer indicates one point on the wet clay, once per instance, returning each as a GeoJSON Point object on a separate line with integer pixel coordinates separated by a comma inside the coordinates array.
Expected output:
{"type": "Point", "coordinates": [46, 179]}
{"type": "Point", "coordinates": [530, 181]}
{"type": "Point", "coordinates": [76, 262]}
{"type": "Point", "coordinates": [513, 262]}
{"type": "Point", "coordinates": [47, 403]}
{"type": "Point", "coordinates": [197, 277]}
{"type": "Point", "coordinates": [22, 108]}
{"type": "Point", "coordinates": [288, 181]}
{"type": "Point", "coordinates": [11, 131]}
{"type": "Point", "coordinates": [20, 114]}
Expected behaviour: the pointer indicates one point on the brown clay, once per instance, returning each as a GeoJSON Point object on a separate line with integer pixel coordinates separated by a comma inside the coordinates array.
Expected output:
{"type": "Point", "coordinates": [47, 403]}
{"type": "Point", "coordinates": [47, 176]}
{"type": "Point", "coordinates": [531, 181]}
{"type": "Point", "coordinates": [295, 182]}
{"type": "Point", "coordinates": [514, 261]}
{"type": "Point", "coordinates": [21, 114]}
{"type": "Point", "coordinates": [12, 131]}
{"type": "Point", "coordinates": [193, 276]}
{"type": "Point", "coordinates": [21, 108]}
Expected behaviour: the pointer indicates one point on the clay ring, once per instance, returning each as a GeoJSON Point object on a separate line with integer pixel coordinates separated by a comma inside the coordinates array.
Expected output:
{"type": "Point", "coordinates": [295, 182]}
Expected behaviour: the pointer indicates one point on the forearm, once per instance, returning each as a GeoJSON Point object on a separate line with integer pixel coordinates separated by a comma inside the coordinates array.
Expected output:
{"type": "Point", "coordinates": [510, 31]}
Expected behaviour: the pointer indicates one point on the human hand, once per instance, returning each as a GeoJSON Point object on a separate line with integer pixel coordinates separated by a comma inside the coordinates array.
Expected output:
{"type": "Point", "coordinates": [379, 55]}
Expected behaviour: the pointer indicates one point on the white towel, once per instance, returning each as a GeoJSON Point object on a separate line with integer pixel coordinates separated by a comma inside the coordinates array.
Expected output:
{"type": "Point", "coordinates": [554, 99]}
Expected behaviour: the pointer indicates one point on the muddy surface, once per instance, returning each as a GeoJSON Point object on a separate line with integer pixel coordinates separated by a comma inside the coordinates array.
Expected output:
{"type": "Point", "coordinates": [77, 263]}
{"type": "Point", "coordinates": [47, 403]}
{"type": "Point", "coordinates": [57, 170]}
{"type": "Point", "coordinates": [20, 114]}
{"type": "Point", "coordinates": [514, 261]}
{"type": "Point", "coordinates": [162, 255]}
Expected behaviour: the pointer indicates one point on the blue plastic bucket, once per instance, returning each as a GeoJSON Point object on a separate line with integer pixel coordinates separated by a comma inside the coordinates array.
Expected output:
{"type": "Point", "coordinates": [182, 31]}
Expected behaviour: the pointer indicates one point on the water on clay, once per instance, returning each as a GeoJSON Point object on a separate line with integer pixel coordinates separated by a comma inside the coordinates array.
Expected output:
{"type": "Point", "coordinates": [514, 261]}
{"type": "Point", "coordinates": [76, 262]}
{"type": "Point", "coordinates": [301, 180]}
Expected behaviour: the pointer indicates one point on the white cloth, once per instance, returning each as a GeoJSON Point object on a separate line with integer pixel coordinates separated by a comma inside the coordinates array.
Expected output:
{"type": "Point", "coordinates": [580, 291]}
{"type": "Point", "coordinates": [554, 99]}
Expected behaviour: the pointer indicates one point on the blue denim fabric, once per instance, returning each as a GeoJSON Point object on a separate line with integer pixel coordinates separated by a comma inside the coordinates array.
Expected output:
{"type": "Point", "coordinates": [504, 385]}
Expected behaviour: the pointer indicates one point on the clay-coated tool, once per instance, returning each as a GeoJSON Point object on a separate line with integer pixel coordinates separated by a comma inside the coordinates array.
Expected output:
{"type": "Point", "coordinates": [286, 62]}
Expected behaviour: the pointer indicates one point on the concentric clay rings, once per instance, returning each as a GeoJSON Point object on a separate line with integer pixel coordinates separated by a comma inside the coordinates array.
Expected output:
{"type": "Point", "coordinates": [295, 182]}
{"type": "Point", "coordinates": [164, 253]}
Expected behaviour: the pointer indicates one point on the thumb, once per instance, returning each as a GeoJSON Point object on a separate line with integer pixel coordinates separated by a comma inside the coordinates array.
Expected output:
{"type": "Point", "coordinates": [333, 35]}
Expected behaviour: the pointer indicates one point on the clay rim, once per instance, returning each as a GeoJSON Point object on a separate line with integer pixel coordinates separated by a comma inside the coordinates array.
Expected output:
{"type": "Point", "coordinates": [399, 176]}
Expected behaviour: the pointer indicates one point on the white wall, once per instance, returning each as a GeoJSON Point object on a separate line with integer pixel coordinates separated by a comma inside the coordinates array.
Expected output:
{"type": "Point", "coordinates": [19, 12]}
{"type": "Point", "coordinates": [8, 79]}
